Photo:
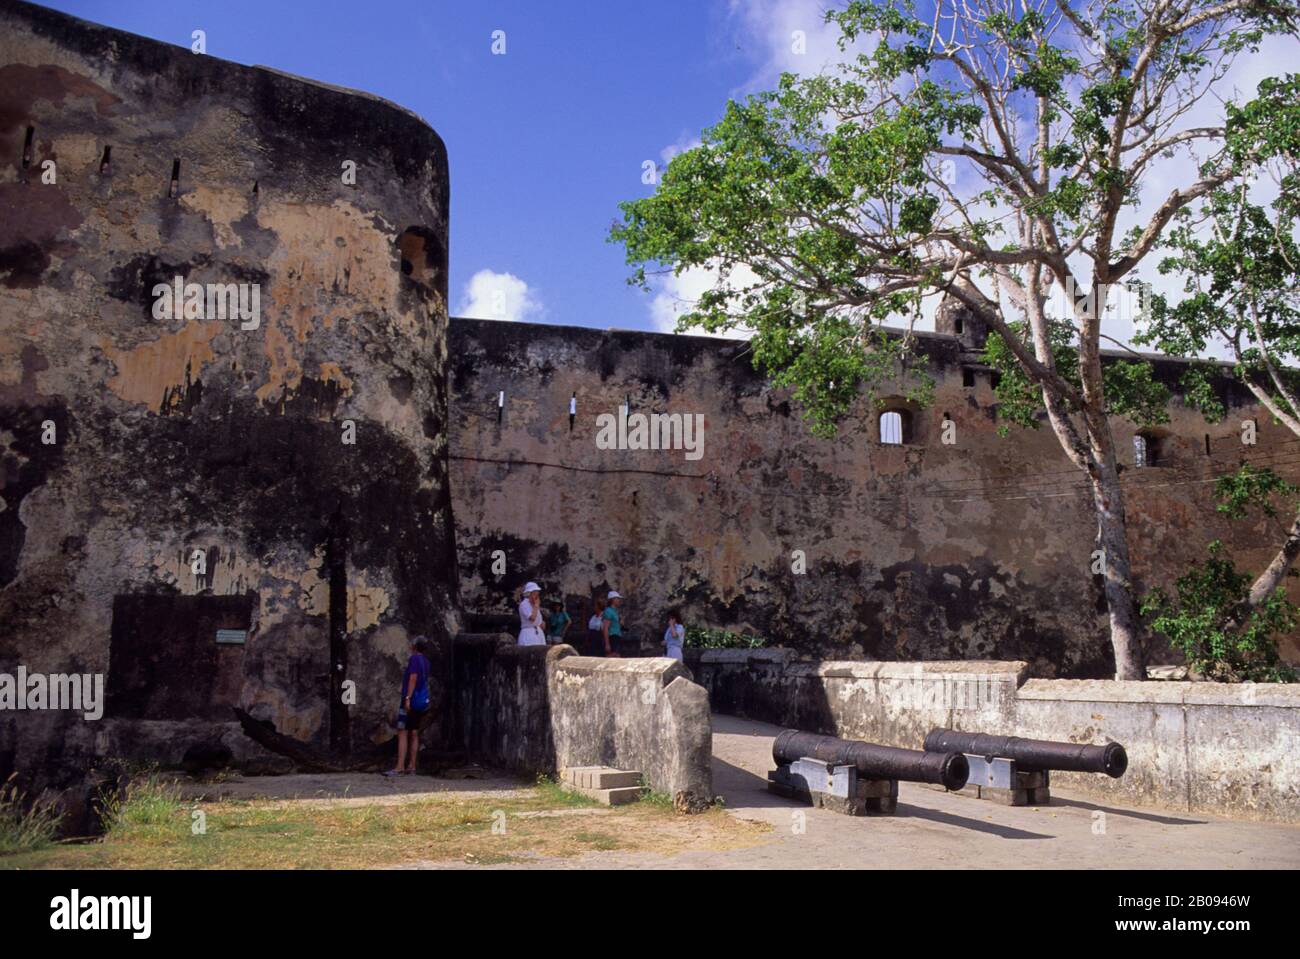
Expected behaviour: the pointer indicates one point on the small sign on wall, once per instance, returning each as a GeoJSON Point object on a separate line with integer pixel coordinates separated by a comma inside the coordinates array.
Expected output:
{"type": "Point", "coordinates": [231, 637]}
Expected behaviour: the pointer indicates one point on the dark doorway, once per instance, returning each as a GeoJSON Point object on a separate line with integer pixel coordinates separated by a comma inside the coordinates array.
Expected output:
{"type": "Point", "coordinates": [165, 661]}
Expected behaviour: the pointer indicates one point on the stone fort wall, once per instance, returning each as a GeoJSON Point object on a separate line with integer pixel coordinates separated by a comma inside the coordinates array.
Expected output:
{"type": "Point", "coordinates": [176, 435]}
{"type": "Point", "coordinates": [976, 550]}
{"type": "Point", "coordinates": [313, 459]}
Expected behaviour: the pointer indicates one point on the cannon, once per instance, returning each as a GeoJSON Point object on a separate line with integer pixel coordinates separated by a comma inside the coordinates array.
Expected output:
{"type": "Point", "coordinates": [1017, 771]}
{"type": "Point", "coordinates": [873, 762]}
{"type": "Point", "coordinates": [1033, 755]}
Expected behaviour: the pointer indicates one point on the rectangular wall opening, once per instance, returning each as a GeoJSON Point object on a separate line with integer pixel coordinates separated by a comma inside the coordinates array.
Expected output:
{"type": "Point", "coordinates": [165, 661]}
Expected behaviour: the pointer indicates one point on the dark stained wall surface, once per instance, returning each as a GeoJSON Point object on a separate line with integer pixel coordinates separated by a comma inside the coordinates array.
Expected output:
{"type": "Point", "coordinates": [976, 550]}
{"type": "Point", "coordinates": [125, 163]}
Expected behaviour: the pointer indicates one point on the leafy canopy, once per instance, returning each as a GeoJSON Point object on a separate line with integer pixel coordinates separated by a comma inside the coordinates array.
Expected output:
{"type": "Point", "coordinates": [974, 150]}
{"type": "Point", "coordinates": [1223, 636]}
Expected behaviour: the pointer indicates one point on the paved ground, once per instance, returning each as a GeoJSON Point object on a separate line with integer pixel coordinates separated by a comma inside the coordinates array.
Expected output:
{"type": "Point", "coordinates": [937, 830]}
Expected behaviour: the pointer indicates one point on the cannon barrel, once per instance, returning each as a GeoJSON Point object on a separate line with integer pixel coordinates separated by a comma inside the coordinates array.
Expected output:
{"type": "Point", "coordinates": [1033, 754]}
{"type": "Point", "coordinates": [874, 762]}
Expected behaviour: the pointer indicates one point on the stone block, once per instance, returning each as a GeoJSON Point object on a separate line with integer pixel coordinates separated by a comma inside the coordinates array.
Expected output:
{"type": "Point", "coordinates": [878, 789]}
{"type": "Point", "coordinates": [613, 778]}
{"type": "Point", "coordinates": [883, 806]}
{"type": "Point", "coordinates": [620, 796]}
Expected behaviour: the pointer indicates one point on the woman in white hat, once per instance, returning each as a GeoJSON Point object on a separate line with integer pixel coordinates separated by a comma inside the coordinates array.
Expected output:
{"type": "Point", "coordinates": [530, 617]}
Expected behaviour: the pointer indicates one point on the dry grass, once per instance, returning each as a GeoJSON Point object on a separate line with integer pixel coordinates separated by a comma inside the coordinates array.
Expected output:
{"type": "Point", "coordinates": [157, 830]}
{"type": "Point", "coordinates": [24, 826]}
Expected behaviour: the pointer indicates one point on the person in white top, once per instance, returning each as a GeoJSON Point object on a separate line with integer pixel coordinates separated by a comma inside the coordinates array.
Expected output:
{"type": "Point", "coordinates": [674, 636]}
{"type": "Point", "coordinates": [595, 632]}
{"type": "Point", "coordinates": [530, 617]}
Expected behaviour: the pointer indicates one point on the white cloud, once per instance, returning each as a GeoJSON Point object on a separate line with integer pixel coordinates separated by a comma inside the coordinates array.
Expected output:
{"type": "Point", "coordinates": [675, 295]}
{"type": "Point", "coordinates": [768, 35]}
{"type": "Point", "coordinates": [684, 142]}
{"type": "Point", "coordinates": [498, 296]}
{"type": "Point", "coordinates": [790, 36]}
{"type": "Point", "coordinates": [1180, 171]}
{"type": "Point", "coordinates": [781, 36]}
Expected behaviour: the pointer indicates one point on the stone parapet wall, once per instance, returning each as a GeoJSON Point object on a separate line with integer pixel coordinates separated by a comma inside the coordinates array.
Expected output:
{"type": "Point", "coordinates": [538, 709]}
{"type": "Point", "coordinates": [1227, 749]}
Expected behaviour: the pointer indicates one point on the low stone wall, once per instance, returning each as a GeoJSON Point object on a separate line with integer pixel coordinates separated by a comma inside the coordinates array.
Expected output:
{"type": "Point", "coordinates": [540, 709]}
{"type": "Point", "coordinates": [642, 714]}
{"type": "Point", "coordinates": [500, 710]}
{"type": "Point", "coordinates": [1228, 749]}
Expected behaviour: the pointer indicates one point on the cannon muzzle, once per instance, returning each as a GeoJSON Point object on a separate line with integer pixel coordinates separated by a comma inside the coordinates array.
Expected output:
{"type": "Point", "coordinates": [1033, 754]}
{"type": "Point", "coordinates": [874, 762]}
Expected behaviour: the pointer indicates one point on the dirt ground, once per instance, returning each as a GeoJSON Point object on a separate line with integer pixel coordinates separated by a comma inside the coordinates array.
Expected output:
{"type": "Point", "coordinates": [481, 818]}
{"type": "Point", "coordinates": [933, 829]}
{"type": "Point", "coordinates": [353, 789]}
{"type": "Point", "coordinates": [369, 822]}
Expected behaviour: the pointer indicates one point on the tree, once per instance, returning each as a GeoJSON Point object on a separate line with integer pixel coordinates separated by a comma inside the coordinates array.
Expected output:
{"type": "Point", "coordinates": [1223, 629]}
{"type": "Point", "coordinates": [1241, 268]}
{"type": "Point", "coordinates": [1222, 635]}
{"type": "Point", "coordinates": [988, 151]}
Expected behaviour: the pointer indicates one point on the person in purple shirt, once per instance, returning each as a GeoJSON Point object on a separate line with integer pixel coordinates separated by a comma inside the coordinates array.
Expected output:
{"type": "Point", "coordinates": [415, 703]}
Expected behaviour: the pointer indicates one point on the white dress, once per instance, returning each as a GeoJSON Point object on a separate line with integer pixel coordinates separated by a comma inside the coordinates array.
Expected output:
{"type": "Point", "coordinates": [529, 634]}
{"type": "Point", "coordinates": [673, 637]}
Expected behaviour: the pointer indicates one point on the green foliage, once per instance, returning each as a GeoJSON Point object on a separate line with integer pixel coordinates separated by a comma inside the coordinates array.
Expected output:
{"type": "Point", "coordinates": [1239, 260]}
{"type": "Point", "coordinates": [148, 806]}
{"type": "Point", "coordinates": [1254, 487]}
{"type": "Point", "coordinates": [1130, 388]}
{"type": "Point", "coordinates": [825, 209]}
{"type": "Point", "coordinates": [703, 637]}
{"type": "Point", "coordinates": [660, 800]}
{"type": "Point", "coordinates": [1211, 621]}
{"type": "Point", "coordinates": [1020, 400]}
{"type": "Point", "coordinates": [1268, 127]}
{"type": "Point", "coordinates": [1199, 392]}
{"type": "Point", "coordinates": [24, 826]}
{"type": "Point", "coordinates": [1240, 282]}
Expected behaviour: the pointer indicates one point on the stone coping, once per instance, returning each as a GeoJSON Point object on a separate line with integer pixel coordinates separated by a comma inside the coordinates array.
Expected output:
{"type": "Point", "coordinates": [1156, 692]}
{"type": "Point", "coordinates": [1180, 693]}
{"type": "Point", "coordinates": [1012, 671]}
{"type": "Point", "coordinates": [963, 670]}
{"type": "Point", "coordinates": [661, 666]}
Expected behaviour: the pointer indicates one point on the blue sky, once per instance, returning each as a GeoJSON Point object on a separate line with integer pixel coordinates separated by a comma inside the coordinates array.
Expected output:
{"type": "Point", "coordinates": [545, 140]}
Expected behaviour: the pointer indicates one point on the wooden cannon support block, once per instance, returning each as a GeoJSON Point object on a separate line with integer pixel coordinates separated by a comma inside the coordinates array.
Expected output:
{"type": "Point", "coordinates": [837, 788]}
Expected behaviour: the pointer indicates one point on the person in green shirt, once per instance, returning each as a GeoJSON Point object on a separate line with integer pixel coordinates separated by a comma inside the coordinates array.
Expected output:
{"type": "Point", "coordinates": [557, 623]}
{"type": "Point", "coordinates": [611, 627]}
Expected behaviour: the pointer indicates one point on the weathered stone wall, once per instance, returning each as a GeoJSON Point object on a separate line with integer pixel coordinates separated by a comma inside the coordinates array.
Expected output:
{"type": "Point", "coordinates": [644, 714]}
{"type": "Point", "coordinates": [976, 550]}
{"type": "Point", "coordinates": [539, 709]}
{"type": "Point", "coordinates": [501, 702]}
{"type": "Point", "coordinates": [197, 433]}
{"type": "Point", "coordinates": [1227, 749]}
